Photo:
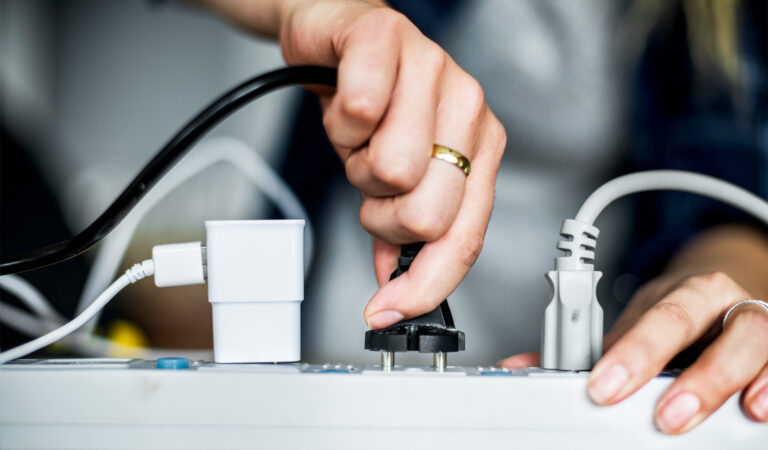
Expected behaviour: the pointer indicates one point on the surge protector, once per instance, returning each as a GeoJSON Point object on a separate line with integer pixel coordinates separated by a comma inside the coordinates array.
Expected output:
{"type": "Point", "coordinates": [123, 403]}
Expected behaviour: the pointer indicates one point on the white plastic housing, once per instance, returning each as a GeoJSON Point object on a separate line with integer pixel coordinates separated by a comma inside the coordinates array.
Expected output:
{"type": "Point", "coordinates": [572, 330]}
{"type": "Point", "coordinates": [255, 286]}
{"type": "Point", "coordinates": [178, 264]}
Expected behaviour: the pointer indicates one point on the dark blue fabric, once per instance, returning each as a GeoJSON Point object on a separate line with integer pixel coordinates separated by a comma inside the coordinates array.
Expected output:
{"type": "Point", "coordinates": [427, 15]}
{"type": "Point", "coordinates": [684, 120]}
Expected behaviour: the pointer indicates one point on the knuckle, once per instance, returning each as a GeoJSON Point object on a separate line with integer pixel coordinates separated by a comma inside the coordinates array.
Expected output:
{"type": "Point", "coordinates": [367, 216]}
{"type": "Point", "coordinates": [717, 286]}
{"type": "Point", "coordinates": [422, 224]}
{"type": "Point", "coordinates": [386, 21]}
{"type": "Point", "coordinates": [329, 123]}
{"type": "Point", "coordinates": [712, 280]}
{"type": "Point", "coordinates": [433, 58]}
{"type": "Point", "coordinates": [501, 134]}
{"type": "Point", "coordinates": [395, 172]}
{"type": "Point", "coordinates": [333, 131]}
{"type": "Point", "coordinates": [470, 246]}
{"type": "Point", "coordinates": [678, 314]}
{"type": "Point", "coordinates": [355, 176]}
{"type": "Point", "coordinates": [362, 108]}
{"type": "Point", "coordinates": [499, 138]}
{"type": "Point", "coordinates": [474, 96]}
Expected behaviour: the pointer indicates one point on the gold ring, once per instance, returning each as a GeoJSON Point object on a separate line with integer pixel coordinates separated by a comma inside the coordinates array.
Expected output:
{"type": "Point", "coordinates": [452, 156]}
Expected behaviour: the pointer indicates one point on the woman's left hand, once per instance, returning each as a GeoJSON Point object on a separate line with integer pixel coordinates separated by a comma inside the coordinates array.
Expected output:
{"type": "Point", "coordinates": [667, 316]}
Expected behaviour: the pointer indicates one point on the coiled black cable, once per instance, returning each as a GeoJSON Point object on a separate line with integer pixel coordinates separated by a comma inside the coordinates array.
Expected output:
{"type": "Point", "coordinates": [164, 160]}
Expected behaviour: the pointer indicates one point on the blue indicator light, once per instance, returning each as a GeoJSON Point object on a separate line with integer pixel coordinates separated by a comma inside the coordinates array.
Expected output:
{"type": "Point", "coordinates": [173, 363]}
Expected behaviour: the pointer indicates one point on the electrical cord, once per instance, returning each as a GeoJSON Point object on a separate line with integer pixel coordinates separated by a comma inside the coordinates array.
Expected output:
{"type": "Point", "coordinates": [30, 296]}
{"type": "Point", "coordinates": [81, 341]}
{"type": "Point", "coordinates": [207, 154]}
{"type": "Point", "coordinates": [220, 150]}
{"type": "Point", "coordinates": [673, 180]}
{"type": "Point", "coordinates": [165, 159]}
{"type": "Point", "coordinates": [87, 344]}
{"type": "Point", "coordinates": [132, 275]}
{"type": "Point", "coordinates": [24, 322]}
{"type": "Point", "coordinates": [574, 310]}
{"type": "Point", "coordinates": [581, 235]}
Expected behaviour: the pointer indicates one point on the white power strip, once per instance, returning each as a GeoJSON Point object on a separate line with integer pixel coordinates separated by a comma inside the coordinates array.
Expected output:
{"type": "Point", "coordinates": [122, 403]}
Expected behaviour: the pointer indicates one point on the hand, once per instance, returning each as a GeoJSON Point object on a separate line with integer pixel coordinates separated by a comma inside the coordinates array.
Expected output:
{"type": "Point", "coordinates": [664, 318]}
{"type": "Point", "coordinates": [399, 93]}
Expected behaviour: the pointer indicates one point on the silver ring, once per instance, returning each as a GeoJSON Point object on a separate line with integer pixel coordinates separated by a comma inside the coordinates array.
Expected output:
{"type": "Point", "coordinates": [745, 302]}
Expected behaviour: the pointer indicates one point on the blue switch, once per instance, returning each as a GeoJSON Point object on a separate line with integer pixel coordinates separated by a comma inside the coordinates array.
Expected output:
{"type": "Point", "coordinates": [173, 363]}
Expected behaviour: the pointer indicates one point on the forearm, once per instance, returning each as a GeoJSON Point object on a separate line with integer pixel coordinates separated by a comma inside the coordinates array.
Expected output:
{"type": "Point", "coordinates": [263, 17]}
{"type": "Point", "coordinates": [736, 250]}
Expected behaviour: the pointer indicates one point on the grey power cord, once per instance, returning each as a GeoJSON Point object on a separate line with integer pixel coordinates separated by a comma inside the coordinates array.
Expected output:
{"type": "Point", "coordinates": [572, 331]}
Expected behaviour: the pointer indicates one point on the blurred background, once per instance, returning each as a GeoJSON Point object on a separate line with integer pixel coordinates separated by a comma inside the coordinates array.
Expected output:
{"type": "Point", "coordinates": [586, 90]}
{"type": "Point", "coordinates": [90, 91]}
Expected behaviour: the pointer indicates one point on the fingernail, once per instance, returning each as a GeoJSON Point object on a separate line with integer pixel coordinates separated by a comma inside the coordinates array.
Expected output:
{"type": "Point", "coordinates": [678, 411]}
{"type": "Point", "coordinates": [607, 383]}
{"type": "Point", "coordinates": [383, 319]}
{"type": "Point", "coordinates": [759, 406]}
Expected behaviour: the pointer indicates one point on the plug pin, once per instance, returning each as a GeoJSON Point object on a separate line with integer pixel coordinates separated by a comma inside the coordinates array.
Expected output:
{"type": "Point", "coordinates": [440, 361]}
{"type": "Point", "coordinates": [387, 360]}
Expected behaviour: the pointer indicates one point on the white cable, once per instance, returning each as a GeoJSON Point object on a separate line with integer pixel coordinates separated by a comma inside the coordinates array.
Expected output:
{"type": "Point", "coordinates": [30, 296]}
{"type": "Point", "coordinates": [207, 154]}
{"type": "Point", "coordinates": [135, 273]}
{"type": "Point", "coordinates": [23, 321]}
{"type": "Point", "coordinates": [174, 263]}
{"type": "Point", "coordinates": [90, 345]}
{"type": "Point", "coordinates": [674, 180]}
{"type": "Point", "coordinates": [113, 247]}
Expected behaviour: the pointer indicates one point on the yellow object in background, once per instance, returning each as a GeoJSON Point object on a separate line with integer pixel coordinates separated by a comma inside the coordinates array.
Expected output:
{"type": "Point", "coordinates": [129, 339]}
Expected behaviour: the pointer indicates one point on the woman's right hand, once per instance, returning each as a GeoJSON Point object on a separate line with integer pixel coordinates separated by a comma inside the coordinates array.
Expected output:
{"type": "Point", "coordinates": [398, 93]}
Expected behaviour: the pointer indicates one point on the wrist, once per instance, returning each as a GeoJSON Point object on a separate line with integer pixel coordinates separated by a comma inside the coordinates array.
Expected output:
{"type": "Point", "coordinates": [311, 31]}
{"type": "Point", "coordinates": [738, 251]}
{"type": "Point", "coordinates": [254, 16]}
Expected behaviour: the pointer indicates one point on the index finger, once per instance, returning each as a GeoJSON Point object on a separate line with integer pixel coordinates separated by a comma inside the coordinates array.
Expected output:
{"type": "Point", "coordinates": [674, 323]}
{"type": "Point", "coordinates": [367, 72]}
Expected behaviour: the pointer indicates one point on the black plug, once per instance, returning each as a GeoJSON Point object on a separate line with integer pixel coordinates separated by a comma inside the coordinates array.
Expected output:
{"type": "Point", "coordinates": [433, 332]}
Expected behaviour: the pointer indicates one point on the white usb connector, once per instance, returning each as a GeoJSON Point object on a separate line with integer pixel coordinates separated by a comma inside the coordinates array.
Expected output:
{"type": "Point", "coordinates": [179, 264]}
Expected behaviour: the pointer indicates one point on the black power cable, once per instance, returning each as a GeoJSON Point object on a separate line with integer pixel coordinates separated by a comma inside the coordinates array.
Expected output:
{"type": "Point", "coordinates": [164, 160]}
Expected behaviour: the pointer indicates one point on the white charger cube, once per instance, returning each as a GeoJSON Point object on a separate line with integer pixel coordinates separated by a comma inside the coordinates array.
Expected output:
{"type": "Point", "coordinates": [255, 286]}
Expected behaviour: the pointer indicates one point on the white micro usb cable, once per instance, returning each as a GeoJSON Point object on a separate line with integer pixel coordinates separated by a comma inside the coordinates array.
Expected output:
{"type": "Point", "coordinates": [171, 265]}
